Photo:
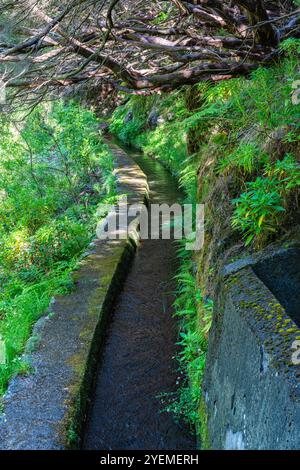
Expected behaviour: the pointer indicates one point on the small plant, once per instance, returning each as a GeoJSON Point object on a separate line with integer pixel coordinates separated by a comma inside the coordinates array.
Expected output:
{"type": "Point", "coordinates": [189, 308]}
{"type": "Point", "coordinates": [246, 157]}
{"type": "Point", "coordinates": [259, 209]}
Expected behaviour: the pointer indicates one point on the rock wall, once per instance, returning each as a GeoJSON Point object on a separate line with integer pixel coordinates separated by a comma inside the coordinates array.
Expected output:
{"type": "Point", "coordinates": [252, 385]}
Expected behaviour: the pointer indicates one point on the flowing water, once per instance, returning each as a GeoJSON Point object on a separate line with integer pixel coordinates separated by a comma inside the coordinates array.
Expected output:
{"type": "Point", "coordinates": [137, 363]}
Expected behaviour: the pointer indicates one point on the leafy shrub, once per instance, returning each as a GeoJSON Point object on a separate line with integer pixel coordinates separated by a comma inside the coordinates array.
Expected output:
{"type": "Point", "coordinates": [259, 209]}
{"type": "Point", "coordinates": [60, 240]}
{"type": "Point", "coordinates": [54, 171]}
{"type": "Point", "coordinates": [184, 404]}
{"type": "Point", "coordinates": [247, 158]}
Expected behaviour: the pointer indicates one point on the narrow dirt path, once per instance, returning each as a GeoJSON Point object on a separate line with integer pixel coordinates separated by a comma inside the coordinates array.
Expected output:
{"type": "Point", "coordinates": [137, 362]}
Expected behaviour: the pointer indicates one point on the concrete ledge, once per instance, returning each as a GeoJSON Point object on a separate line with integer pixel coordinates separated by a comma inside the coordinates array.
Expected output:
{"type": "Point", "coordinates": [251, 385]}
{"type": "Point", "coordinates": [46, 409]}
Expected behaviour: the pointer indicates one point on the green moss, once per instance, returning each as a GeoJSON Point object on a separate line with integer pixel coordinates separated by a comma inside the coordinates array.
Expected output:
{"type": "Point", "coordinates": [33, 343]}
{"type": "Point", "coordinates": [114, 266]}
{"type": "Point", "coordinates": [202, 428]}
{"type": "Point", "coordinates": [291, 330]}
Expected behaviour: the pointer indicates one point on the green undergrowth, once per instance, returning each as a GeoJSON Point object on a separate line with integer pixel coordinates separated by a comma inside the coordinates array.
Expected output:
{"type": "Point", "coordinates": [233, 146]}
{"type": "Point", "coordinates": [244, 131]}
{"type": "Point", "coordinates": [54, 171]}
{"type": "Point", "coordinates": [189, 306]}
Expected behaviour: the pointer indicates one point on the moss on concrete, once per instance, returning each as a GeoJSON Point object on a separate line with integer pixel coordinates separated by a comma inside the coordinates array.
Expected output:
{"type": "Point", "coordinates": [202, 429]}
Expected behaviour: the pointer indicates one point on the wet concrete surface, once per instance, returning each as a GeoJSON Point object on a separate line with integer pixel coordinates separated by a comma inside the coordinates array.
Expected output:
{"type": "Point", "coordinates": [137, 361]}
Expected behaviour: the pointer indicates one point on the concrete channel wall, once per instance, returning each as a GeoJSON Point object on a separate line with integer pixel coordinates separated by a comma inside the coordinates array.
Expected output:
{"type": "Point", "coordinates": [252, 385]}
{"type": "Point", "coordinates": [46, 409]}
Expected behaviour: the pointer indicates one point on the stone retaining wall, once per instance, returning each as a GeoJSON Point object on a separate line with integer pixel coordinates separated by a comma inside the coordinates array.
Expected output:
{"type": "Point", "coordinates": [252, 386]}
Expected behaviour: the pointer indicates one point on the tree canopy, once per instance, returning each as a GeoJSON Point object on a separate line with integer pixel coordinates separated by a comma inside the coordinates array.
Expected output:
{"type": "Point", "coordinates": [137, 46]}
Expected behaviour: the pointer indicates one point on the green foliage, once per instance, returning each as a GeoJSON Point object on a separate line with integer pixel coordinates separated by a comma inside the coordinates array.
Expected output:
{"type": "Point", "coordinates": [246, 142]}
{"type": "Point", "coordinates": [194, 313]}
{"type": "Point", "coordinates": [259, 209]}
{"type": "Point", "coordinates": [54, 171]}
{"type": "Point", "coordinates": [246, 157]}
{"type": "Point", "coordinates": [240, 129]}
{"type": "Point", "coordinates": [291, 45]}
{"type": "Point", "coordinates": [126, 131]}
{"type": "Point", "coordinates": [161, 18]}
{"type": "Point", "coordinates": [232, 128]}
{"type": "Point", "coordinates": [167, 142]}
